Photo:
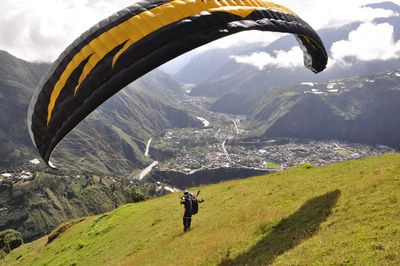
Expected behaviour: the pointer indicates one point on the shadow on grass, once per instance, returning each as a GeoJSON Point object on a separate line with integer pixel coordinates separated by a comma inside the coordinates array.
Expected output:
{"type": "Point", "coordinates": [289, 232]}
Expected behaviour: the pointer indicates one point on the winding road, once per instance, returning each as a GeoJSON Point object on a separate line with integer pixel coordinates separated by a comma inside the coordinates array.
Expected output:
{"type": "Point", "coordinates": [234, 123]}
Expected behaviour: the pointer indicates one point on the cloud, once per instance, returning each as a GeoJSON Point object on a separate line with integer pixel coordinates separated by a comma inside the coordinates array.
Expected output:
{"type": "Point", "coordinates": [41, 30]}
{"type": "Point", "coordinates": [368, 42]}
{"type": "Point", "coordinates": [323, 14]}
{"type": "Point", "coordinates": [290, 59]}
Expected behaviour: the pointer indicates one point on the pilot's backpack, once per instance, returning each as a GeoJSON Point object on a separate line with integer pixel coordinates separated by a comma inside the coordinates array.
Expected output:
{"type": "Point", "coordinates": [194, 204]}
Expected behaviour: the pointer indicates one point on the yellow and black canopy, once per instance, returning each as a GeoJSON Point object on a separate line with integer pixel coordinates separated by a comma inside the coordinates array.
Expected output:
{"type": "Point", "coordinates": [136, 40]}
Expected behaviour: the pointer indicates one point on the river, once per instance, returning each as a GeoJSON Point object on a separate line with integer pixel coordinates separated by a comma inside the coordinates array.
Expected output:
{"type": "Point", "coordinates": [146, 153]}
{"type": "Point", "coordinates": [147, 170]}
{"type": "Point", "coordinates": [206, 123]}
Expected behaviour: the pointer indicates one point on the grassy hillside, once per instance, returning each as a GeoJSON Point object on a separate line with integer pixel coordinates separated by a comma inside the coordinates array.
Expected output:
{"type": "Point", "coordinates": [342, 214]}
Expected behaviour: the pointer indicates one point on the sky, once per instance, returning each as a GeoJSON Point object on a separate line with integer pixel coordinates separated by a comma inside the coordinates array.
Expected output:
{"type": "Point", "coordinates": [369, 42]}
{"type": "Point", "coordinates": [40, 30]}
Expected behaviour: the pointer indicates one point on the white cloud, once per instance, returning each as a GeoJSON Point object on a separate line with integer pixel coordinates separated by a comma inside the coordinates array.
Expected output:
{"type": "Point", "coordinates": [368, 42]}
{"type": "Point", "coordinates": [321, 14]}
{"type": "Point", "coordinates": [291, 59]}
{"type": "Point", "coordinates": [346, 16]}
{"type": "Point", "coordinates": [40, 30]}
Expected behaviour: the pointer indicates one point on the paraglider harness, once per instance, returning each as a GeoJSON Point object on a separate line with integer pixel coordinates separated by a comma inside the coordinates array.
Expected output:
{"type": "Point", "coordinates": [191, 203]}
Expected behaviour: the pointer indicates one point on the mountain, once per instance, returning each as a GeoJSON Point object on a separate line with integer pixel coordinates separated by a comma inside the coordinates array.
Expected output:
{"type": "Point", "coordinates": [117, 131]}
{"type": "Point", "coordinates": [124, 123]}
{"type": "Point", "coordinates": [344, 213]}
{"type": "Point", "coordinates": [17, 80]}
{"type": "Point", "coordinates": [206, 65]}
{"type": "Point", "coordinates": [385, 5]}
{"type": "Point", "coordinates": [225, 75]}
{"type": "Point", "coordinates": [359, 109]}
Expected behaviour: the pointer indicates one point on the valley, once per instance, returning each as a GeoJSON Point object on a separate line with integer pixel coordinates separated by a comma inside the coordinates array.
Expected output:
{"type": "Point", "coordinates": [258, 139]}
{"type": "Point", "coordinates": [227, 142]}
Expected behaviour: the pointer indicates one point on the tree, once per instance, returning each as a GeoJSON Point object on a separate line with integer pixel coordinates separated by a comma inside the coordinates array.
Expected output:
{"type": "Point", "coordinates": [134, 194]}
{"type": "Point", "coordinates": [10, 239]}
{"type": "Point", "coordinates": [3, 255]}
{"type": "Point", "coordinates": [7, 238]}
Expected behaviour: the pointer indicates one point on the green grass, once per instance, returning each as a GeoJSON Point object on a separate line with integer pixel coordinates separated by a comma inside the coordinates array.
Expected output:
{"type": "Point", "coordinates": [272, 165]}
{"type": "Point", "coordinates": [343, 152]}
{"type": "Point", "coordinates": [339, 214]}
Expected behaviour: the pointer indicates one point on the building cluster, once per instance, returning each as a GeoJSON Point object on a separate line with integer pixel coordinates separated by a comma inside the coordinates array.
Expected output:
{"type": "Point", "coordinates": [289, 153]}
{"type": "Point", "coordinates": [196, 149]}
{"type": "Point", "coordinates": [16, 177]}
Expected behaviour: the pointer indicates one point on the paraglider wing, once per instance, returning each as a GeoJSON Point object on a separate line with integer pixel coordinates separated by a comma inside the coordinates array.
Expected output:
{"type": "Point", "coordinates": [138, 39]}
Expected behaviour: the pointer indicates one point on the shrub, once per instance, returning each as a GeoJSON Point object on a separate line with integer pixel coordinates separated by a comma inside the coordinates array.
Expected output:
{"type": "Point", "coordinates": [61, 229]}
{"type": "Point", "coordinates": [308, 166]}
{"type": "Point", "coordinates": [10, 239]}
{"type": "Point", "coordinates": [3, 254]}
{"type": "Point", "coordinates": [134, 194]}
